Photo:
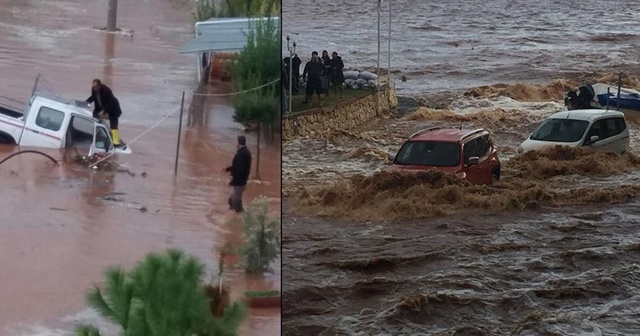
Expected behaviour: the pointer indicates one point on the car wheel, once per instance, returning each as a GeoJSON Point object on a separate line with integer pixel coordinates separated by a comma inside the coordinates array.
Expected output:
{"type": "Point", "coordinates": [495, 178]}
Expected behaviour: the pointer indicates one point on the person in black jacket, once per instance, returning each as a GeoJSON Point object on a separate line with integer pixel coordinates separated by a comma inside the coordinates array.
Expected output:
{"type": "Point", "coordinates": [239, 169]}
{"type": "Point", "coordinates": [106, 105]}
{"type": "Point", "coordinates": [315, 70]}
{"type": "Point", "coordinates": [284, 74]}
{"type": "Point", "coordinates": [296, 74]}
{"type": "Point", "coordinates": [337, 73]}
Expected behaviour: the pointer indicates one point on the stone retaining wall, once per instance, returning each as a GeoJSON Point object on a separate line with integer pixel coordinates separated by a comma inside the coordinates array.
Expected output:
{"type": "Point", "coordinates": [345, 115]}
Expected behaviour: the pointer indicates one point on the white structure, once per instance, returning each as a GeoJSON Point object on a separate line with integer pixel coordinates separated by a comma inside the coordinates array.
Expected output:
{"type": "Point", "coordinates": [220, 35]}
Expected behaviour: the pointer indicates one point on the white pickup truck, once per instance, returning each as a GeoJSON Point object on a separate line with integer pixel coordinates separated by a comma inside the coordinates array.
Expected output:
{"type": "Point", "coordinates": [50, 123]}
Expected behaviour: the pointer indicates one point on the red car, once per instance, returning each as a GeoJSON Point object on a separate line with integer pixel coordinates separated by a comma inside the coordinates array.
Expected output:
{"type": "Point", "coordinates": [470, 154]}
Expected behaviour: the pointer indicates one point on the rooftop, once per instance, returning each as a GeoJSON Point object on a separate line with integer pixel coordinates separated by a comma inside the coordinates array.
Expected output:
{"type": "Point", "coordinates": [443, 134]}
{"type": "Point", "coordinates": [222, 34]}
{"type": "Point", "coordinates": [585, 114]}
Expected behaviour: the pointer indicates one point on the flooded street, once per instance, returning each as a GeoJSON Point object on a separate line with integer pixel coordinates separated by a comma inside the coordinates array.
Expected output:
{"type": "Point", "coordinates": [551, 249]}
{"type": "Point", "coordinates": [64, 225]}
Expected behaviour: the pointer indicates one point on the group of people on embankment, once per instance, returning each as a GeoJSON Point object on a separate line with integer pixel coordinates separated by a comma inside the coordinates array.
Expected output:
{"type": "Point", "coordinates": [319, 73]}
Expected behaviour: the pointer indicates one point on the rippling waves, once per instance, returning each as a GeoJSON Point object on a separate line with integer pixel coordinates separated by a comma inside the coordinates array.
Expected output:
{"type": "Point", "coordinates": [460, 44]}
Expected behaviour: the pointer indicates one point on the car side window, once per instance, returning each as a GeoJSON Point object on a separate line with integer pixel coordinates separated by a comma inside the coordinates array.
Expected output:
{"type": "Point", "coordinates": [615, 126]}
{"type": "Point", "coordinates": [102, 139]}
{"type": "Point", "coordinates": [470, 149]}
{"type": "Point", "coordinates": [621, 125]}
{"type": "Point", "coordinates": [597, 128]}
{"type": "Point", "coordinates": [49, 119]}
{"type": "Point", "coordinates": [482, 146]}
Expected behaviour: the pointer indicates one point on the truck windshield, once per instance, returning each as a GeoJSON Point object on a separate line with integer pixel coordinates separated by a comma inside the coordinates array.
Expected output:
{"type": "Point", "coordinates": [560, 130]}
{"type": "Point", "coordinates": [429, 153]}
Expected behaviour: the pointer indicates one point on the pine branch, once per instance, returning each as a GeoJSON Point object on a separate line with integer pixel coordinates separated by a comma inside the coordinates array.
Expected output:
{"type": "Point", "coordinates": [85, 330]}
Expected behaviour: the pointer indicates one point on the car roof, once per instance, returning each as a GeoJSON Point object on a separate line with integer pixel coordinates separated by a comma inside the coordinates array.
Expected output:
{"type": "Point", "coordinates": [445, 134]}
{"type": "Point", "coordinates": [586, 115]}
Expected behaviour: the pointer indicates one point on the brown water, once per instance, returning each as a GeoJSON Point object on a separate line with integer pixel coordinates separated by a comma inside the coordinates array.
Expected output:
{"type": "Point", "coordinates": [550, 249]}
{"type": "Point", "coordinates": [459, 44]}
{"type": "Point", "coordinates": [63, 225]}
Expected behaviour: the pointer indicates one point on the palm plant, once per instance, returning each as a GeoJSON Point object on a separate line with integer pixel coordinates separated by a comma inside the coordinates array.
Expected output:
{"type": "Point", "coordinates": [162, 295]}
{"type": "Point", "coordinates": [262, 234]}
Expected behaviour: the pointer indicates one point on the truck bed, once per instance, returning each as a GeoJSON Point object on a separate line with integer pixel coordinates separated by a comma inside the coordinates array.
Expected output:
{"type": "Point", "coordinates": [9, 112]}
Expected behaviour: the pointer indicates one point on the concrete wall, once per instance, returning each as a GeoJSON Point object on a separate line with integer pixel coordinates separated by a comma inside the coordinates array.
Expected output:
{"type": "Point", "coordinates": [344, 115]}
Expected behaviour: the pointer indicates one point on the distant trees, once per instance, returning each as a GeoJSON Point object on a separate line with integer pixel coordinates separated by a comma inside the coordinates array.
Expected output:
{"type": "Point", "coordinates": [206, 9]}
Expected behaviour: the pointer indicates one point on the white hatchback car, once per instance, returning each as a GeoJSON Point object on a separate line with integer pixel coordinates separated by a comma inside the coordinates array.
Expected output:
{"type": "Point", "coordinates": [593, 128]}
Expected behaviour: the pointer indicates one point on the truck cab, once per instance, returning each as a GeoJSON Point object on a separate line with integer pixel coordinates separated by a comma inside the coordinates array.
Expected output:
{"type": "Point", "coordinates": [50, 123]}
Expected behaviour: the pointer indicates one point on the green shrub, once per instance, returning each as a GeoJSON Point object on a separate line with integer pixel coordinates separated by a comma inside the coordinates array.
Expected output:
{"type": "Point", "coordinates": [162, 295]}
{"type": "Point", "coordinates": [262, 234]}
{"type": "Point", "coordinates": [262, 293]}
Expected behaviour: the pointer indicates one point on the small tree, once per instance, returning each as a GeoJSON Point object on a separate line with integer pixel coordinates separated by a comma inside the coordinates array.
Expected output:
{"type": "Point", "coordinates": [162, 295]}
{"type": "Point", "coordinates": [262, 238]}
{"type": "Point", "coordinates": [259, 63]}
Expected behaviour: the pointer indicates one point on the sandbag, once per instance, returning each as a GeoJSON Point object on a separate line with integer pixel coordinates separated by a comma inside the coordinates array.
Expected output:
{"type": "Point", "coordinates": [367, 75]}
{"type": "Point", "coordinates": [351, 74]}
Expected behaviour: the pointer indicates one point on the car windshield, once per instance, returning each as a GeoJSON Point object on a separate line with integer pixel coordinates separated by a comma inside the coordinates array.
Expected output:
{"type": "Point", "coordinates": [560, 130]}
{"type": "Point", "coordinates": [429, 153]}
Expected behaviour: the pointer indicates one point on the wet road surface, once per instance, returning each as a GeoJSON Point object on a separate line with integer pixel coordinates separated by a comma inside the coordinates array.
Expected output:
{"type": "Point", "coordinates": [64, 225]}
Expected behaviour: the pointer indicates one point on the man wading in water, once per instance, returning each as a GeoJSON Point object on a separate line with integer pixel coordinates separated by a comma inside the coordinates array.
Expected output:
{"type": "Point", "coordinates": [106, 105]}
{"type": "Point", "coordinates": [314, 69]}
{"type": "Point", "coordinates": [239, 169]}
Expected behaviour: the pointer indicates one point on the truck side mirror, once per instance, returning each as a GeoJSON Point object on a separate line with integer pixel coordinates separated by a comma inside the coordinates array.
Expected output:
{"type": "Point", "coordinates": [391, 157]}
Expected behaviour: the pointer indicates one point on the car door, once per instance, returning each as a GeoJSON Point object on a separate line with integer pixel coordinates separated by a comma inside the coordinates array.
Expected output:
{"type": "Point", "coordinates": [483, 149]}
{"type": "Point", "coordinates": [604, 128]}
{"type": "Point", "coordinates": [101, 140]}
{"type": "Point", "coordinates": [472, 172]}
{"type": "Point", "coordinates": [620, 134]}
{"type": "Point", "coordinates": [597, 129]}
{"type": "Point", "coordinates": [44, 128]}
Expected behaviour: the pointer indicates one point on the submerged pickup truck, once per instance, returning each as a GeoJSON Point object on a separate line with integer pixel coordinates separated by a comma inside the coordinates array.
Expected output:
{"type": "Point", "coordinates": [50, 123]}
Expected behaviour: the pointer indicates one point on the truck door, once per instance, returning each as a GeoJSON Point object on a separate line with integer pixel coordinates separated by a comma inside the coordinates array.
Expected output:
{"type": "Point", "coordinates": [44, 127]}
{"type": "Point", "coordinates": [101, 140]}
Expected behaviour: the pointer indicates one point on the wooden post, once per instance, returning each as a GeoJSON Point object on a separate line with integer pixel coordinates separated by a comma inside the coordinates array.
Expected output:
{"type": "Point", "coordinates": [175, 169]}
{"type": "Point", "coordinates": [258, 152]}
{"type": "Point", "coordinates": [113, 13]}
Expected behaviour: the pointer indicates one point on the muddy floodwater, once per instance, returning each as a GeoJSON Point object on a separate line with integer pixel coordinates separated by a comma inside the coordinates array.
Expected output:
{"type": "Point", "coordinates": [551, 249]}
{"type": "Point", "coordinates": [63, 225]}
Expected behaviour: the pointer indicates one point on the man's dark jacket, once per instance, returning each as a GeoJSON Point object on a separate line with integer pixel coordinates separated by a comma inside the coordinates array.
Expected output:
{"type": "Point", "coordinates": [314, 69]}
{"type": "Point", "coordinates": [110, 102]}
{"type": "Point", "coordinates": [240, 167]}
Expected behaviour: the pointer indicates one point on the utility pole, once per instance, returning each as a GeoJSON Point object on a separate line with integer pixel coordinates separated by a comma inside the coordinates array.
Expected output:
{"type": "Point", "coordinates": [113, 13]}
{"type": "Point", "coordinates": [378, 63]}
{"type": "Point", "coordinates": [389, 46]}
